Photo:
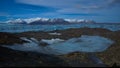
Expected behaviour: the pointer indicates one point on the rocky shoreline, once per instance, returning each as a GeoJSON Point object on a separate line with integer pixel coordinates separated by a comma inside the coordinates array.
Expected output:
{"type": "Point", "coordinates": [76, 59]}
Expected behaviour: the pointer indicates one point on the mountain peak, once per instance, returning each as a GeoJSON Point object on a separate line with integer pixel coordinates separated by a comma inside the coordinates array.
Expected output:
{"type": "Point", "coordinates": [39, 20]}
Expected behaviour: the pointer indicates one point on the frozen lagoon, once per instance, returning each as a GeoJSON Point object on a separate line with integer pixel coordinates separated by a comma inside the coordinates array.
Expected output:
{"type": "Point", "coordinates": [84, 43]}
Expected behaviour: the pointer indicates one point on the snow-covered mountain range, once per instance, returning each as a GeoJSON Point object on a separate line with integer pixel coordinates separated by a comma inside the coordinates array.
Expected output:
{"type": "Point", "coordinates": [48, 21]}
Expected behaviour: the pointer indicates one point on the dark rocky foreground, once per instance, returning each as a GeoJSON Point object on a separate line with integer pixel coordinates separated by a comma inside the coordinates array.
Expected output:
{"type": "Point", "coordinates": [13, 58]}
{"type": "Point", "coordinates": [10, 57]}
{"type": "Point", "coordinates": [8, 38]}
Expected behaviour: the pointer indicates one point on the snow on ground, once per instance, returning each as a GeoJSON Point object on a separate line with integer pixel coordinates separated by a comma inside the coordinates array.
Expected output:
{"type": "Point", "coordinates": [55, 33]}
{"type": "Point", "coordinates": [58, 46]}
{"type": "Point", "coordinates": [31, 46]}
{"type": "Point", "coordinates": [52, 41]}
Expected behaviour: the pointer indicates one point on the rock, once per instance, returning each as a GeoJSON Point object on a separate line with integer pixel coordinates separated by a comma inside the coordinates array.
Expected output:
{"type": "Point", "coordinates": [109, 57]}
{"type": "Point", "coordinates": [115, 65]}
{"type": "Point", "coordinates": [111, 53]}
{"type": "Point", "coordinates": [13, 58]}
{"type": "Point", "coordinates": [9, 38]}
{"type": "Point", "coordinates": [79, 59]}
{"type": "Point", "coordinates": [43, 44]}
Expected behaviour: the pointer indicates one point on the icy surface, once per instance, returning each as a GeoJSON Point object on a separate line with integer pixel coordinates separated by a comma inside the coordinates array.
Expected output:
{"type": "Point", "coordinates": [82, 44]}
{"type": "Point", "coordinates": [58, 46]}
{"type": "Point", "coordinates": [52, 41]}
{"type": "Point", "coordinates": [13, 28]}
{"type": "Point", "coordinates": [31, 46]}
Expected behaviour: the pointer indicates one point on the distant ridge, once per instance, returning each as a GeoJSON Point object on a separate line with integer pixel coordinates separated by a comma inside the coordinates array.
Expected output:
{"type": "Point", "coordinates": [48, 21]}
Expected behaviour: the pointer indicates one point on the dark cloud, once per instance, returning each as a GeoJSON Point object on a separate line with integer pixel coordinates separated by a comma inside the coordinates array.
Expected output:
{"type": "Point", "coordinates": [108, 4]}
{"type": "Point", "coordinates": [114, 2]}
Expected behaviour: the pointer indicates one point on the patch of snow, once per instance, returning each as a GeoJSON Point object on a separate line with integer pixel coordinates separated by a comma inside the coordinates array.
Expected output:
{"type": "Point", "coordinates": [24, 38]}
{"type": "Point", "coordinates": [52, 41]}
{"type": "Point", "coordinates": [31, 20]}
{"type": "Point", "coordinates": [34, 40]}
{"type": "Point", "coordinates": [31, 46]}
{"type": "Point", "coordinates": [74, 20]}
{"type": "Point", "coordinates": [16, 21]}
{"type": "Point", "coordinates": [55, 33]}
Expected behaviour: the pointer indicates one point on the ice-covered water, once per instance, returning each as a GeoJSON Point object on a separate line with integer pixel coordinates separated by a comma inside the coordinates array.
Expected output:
{"type": "Point", "coordinates": [58, 46]}
{"type": "Point", "coordinates": [82, 44]}
{"type": "Point", "coordinates": [52, 41]}
{"type": "Point", "coordinates": [23, 28]}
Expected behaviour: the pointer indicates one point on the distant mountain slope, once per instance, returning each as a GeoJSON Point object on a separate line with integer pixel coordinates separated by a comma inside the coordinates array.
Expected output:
{"type": "Point", "coordinates": [48, 21]}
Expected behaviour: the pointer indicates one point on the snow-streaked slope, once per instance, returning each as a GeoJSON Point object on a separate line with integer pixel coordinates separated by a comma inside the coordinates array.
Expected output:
{"type": "Point", "coordinates": [16, 21]}
{"type": "Point", "coordinates": [54, 20]}
{"type": "Point", "coordinates": [75, 20]}
{"type": "Point", "coordinates": [58, 46]}
{"type": "Point", "coordinates": [79, 21]}
{"type": "Point", "coordinates": [30, 20]}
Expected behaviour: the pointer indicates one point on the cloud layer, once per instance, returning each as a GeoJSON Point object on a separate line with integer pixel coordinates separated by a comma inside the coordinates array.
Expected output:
{"type": "Point", "coordinates": [86, 9]}
{"type": "Point", "coordinates": [72, 6]}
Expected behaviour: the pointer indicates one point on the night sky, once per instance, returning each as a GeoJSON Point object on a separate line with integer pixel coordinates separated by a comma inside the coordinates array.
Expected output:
{"type": "Point", "coordinates": [97, 10]}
